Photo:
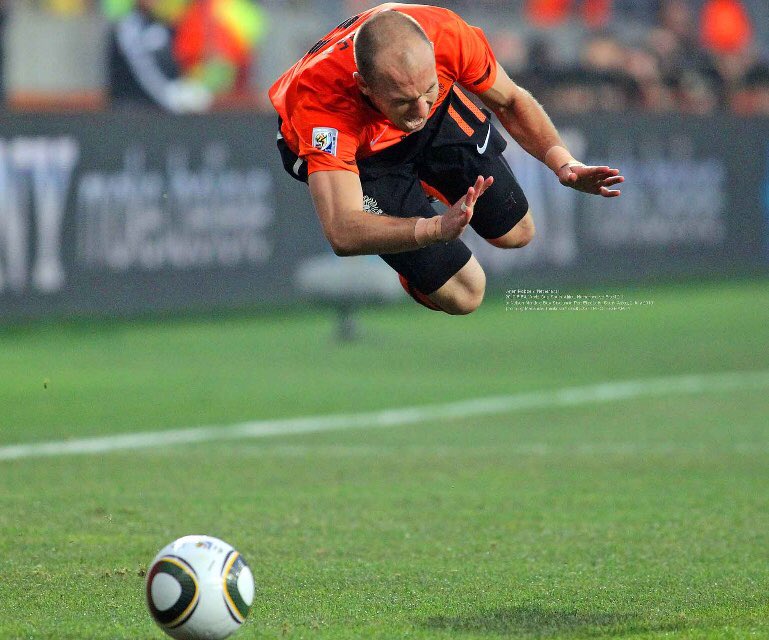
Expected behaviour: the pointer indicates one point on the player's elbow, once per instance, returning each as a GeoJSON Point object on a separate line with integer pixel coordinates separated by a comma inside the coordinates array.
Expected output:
{"type": "Point", "coordinates": [343, 251]}
{"type": "Point", "coordinates": [341, 244]}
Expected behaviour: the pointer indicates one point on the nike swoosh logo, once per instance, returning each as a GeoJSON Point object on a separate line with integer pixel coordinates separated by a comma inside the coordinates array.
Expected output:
{"type": "Point", "coordinates": [375, 140]}
{"type": "Point", "coordinates": [482, 149]}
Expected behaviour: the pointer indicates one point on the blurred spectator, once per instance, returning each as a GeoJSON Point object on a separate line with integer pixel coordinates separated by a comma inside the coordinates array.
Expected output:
{"type": "Point", "coordinates": [654, 94]}
{"type": "Point", "coordinates": [142, 68]}
{"type": "Point", "coordinates": [693, 56]}
{"type": "Point", "coordinates": [725, 26]}
{"type": "Point", "coordinates": [549, 13]}
{"type": "Point", "coordinates": [674, 41]}
{"type": "Point", "coordinates": [215, 40]}
{"type": "Point", "coordinates": [752, 97]}
{"type": "Point", "coordinates": [652, 55]}
{"type": "Point", "coordinates": [684, 66]}
{"type": "Point", "coordinates": [576, 91]}
{"type": "Point", "coordinates": [727, 35]}
{"type": "Point", "coordinates": [511, 50]}
{"type": "Point", "coordinates": [694, 92]}
{"type": "Point", "coordinates": [181, 55]}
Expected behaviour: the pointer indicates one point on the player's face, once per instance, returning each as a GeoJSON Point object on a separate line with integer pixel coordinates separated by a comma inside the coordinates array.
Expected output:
{"type": "Point", "coordinates": [408, 106]}
{"type": "Point", "coordinates": [405, 94]}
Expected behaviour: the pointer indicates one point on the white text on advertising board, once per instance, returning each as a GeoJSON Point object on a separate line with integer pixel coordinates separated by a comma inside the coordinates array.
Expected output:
{"type": "Point", "coordinates": [35, 178]}
{"type": "Point", "coordinates": [138, 218]}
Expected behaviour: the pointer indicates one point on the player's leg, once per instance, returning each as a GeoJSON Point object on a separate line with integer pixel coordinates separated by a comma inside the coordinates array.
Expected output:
{"type": "Point", "coordinates": [463, 292]}
{"type": "Point", "coordinates": [519, 236]}
{"type": "Point", "coordinates": [443, 276]}
{"type": "Point", "coordinates": [467, 145]}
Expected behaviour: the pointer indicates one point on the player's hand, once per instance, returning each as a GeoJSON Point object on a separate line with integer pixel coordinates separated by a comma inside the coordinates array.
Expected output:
{"type": "Point", "coordinates": [595, 180]}
{"type": "Point", "coordinates": [454, 221]}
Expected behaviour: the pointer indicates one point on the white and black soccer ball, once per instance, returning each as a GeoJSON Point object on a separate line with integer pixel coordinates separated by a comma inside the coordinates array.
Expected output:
{"type": "Point", "coordinates": [199, 588]}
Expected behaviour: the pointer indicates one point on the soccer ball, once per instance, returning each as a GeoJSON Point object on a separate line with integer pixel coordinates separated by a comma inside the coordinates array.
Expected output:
{"type": "Point", "coordinates": [199, 588]}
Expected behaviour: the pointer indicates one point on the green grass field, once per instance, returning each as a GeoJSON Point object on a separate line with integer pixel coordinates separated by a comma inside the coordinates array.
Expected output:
{"type": "Point", "coordinates": [645, 517]}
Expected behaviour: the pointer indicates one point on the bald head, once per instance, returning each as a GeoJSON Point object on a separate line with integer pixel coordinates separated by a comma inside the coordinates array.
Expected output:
{"type": "Point", "coordinates": [390, 44]}
{"type": "Point", "coordinates": [396, 69]}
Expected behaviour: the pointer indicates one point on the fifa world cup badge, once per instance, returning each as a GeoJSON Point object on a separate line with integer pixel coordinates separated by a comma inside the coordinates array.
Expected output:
{"type": "Point", "coordinates": [324, 139]}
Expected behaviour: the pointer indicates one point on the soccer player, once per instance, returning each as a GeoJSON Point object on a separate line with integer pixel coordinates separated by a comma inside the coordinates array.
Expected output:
{"type": "Point", "coordinates": [375, 119]}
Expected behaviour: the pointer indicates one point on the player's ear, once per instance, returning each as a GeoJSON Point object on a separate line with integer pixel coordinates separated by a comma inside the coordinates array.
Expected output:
{"type": "Point", "coordinates": [362, 84]}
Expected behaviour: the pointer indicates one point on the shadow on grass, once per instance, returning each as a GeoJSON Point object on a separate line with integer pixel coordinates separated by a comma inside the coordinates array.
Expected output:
{"type": "Point", "coordinates": [538, 622]}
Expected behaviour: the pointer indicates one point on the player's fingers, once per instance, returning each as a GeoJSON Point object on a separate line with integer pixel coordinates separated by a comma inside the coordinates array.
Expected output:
{"type": "Point", "coordinates": [590, 170]}
{"type": "Point", "coordinates": [609, 193]}
{"type": "Point", "coordinates": [478, 188]}
{"type": "Point", "coordinates": [606, 182]}
{"type": "Point", "coordinates": [601, 178]}
{"type": "Point", "coordinates": [595, 173]}
{"type": "Point", "coordinates": [469, 199]}
{"type": "Point", "coordinates": [486, 184]}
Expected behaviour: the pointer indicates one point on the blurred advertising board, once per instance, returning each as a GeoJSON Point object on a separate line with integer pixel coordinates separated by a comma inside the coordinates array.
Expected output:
{"type": "Point", "coordinates": [126, 213]}
{"type": "Point", "coordinates": [118, 214]}
{"type": "Point", "coordinates": [691, 205]}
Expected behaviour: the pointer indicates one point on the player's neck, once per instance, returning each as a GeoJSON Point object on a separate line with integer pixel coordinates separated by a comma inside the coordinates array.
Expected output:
{"type": "Point", "coordinates": [368, 101]}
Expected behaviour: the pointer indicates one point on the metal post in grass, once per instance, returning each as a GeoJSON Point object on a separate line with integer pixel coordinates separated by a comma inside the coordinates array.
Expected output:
{"type": "Point", "coordinates": [347, 285]}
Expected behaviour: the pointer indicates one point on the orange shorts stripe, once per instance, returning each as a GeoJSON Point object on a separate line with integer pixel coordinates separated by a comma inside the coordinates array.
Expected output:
{"type": "Point", "coordinates": [460, 121]}
{"type": "Point", "coordinates": [433, 192]}
{"type": "Point", "coordinates": [417, 295]}
{"type": "Point", "coordinates": [469, 104]}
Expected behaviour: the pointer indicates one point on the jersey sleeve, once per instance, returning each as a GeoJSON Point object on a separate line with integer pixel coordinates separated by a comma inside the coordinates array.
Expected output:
{"type": "Point", "coordinates": [476, 65]}
{"type": "Point", "coordinates": [327, 140]}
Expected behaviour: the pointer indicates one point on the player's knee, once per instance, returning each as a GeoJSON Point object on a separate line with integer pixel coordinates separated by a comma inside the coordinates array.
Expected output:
{"type": "Point", "coordinates": [462, 304]}
{"type": "Point", "coordinates": [519, 236]}
{"type": "Point", "coordinates": [465, 297]}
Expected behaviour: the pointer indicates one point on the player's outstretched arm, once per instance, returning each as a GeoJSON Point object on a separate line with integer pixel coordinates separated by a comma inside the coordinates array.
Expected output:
{"type": "Point", "coordinates": [338, 200]}
{"type": "Point", "coordinates": [529, 125]}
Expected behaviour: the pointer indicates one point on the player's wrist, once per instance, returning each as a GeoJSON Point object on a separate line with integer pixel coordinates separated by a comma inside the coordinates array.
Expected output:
{"type": "Point", "coordinates": [427, 231]}
{"type": "Point", "coordinates": [557, 157]}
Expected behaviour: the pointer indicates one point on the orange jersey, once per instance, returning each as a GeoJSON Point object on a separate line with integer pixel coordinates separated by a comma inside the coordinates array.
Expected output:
{"type": "Point", "coordinates": [329, 123]}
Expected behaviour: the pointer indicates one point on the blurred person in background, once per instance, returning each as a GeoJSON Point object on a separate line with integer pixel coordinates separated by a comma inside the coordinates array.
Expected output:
{"type": "Point", "coordinates": [611, 68]}
{"type": "Point", "coordinates": [181, 55]}
{"type": "Point", "coordinates": [683, 55]}
{"type": "Point", "coordinates": [594, 14]}
{"type": "Point", "coordinates": [726, 33]}
{"type": "Point", "coordinates": [674, 43]}
{"type": "Point", "coordinates": [373, 120]}
{"type": "Point", "coordinates": [143, 70]}
{"type": "Point", "coordinates": [216, 42]}
{"type": "Point", "coordinates": [751, 98]}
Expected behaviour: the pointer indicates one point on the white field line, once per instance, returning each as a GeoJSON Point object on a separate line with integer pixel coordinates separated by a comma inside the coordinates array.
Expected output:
{"type": "Point", "coordinates": [495, 405]}
{"type": "Point", "coordinates": [529, 449]}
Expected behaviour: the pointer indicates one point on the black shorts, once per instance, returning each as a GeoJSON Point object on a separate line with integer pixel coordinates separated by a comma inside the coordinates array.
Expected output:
{"type": "Point", "coordinates": [457, 144]}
